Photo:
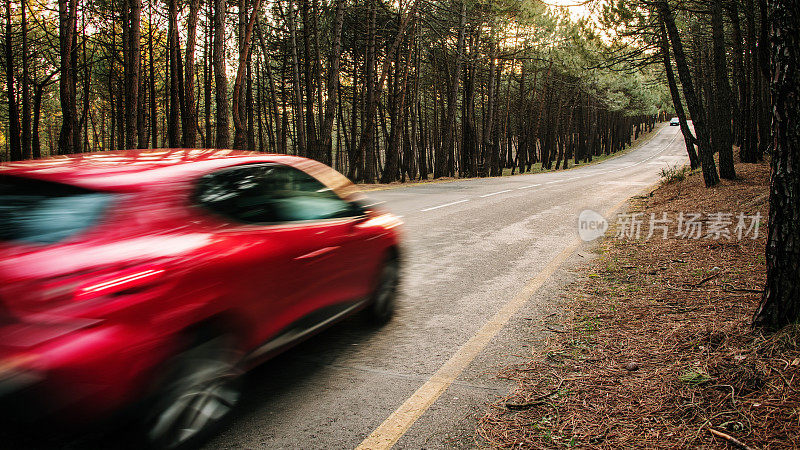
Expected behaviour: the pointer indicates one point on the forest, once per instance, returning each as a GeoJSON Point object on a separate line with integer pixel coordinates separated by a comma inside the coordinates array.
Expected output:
{"type": "Point", "coordinates": [382, 91]}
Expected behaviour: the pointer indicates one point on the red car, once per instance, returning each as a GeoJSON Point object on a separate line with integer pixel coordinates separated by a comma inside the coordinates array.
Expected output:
{"type": "Point", "coordinates": [155, 278]}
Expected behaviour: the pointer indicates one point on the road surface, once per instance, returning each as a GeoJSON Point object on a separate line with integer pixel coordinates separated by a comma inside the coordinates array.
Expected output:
{"type": "Point", "coordinates": [478, 254]}
{"type": "Point", "coordinates": [483, 265]}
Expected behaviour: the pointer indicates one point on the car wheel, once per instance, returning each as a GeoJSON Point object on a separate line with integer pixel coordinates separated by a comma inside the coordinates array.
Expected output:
{"type": "Point", "coordinates": [203, 387]}
{"type": "Point", "coordinates": [381, 307]}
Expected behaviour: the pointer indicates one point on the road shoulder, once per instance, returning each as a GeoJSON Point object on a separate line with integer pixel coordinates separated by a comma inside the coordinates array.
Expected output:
{"type": "Point", "coordinates": [654, 347]}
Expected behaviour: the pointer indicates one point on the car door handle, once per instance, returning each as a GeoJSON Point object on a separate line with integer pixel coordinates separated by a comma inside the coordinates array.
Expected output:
{"type": "Point", "coordinates": [317, 253]}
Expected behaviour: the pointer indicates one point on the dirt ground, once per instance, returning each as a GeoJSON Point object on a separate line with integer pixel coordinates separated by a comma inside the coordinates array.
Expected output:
{"type": "Point", "coordinates": [657, 350]}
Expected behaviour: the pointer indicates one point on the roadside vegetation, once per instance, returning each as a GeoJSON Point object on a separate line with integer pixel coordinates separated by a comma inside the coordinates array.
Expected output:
{"type": "Point", "coordinates": [534, 169]}
{"type": "Point", "coordinates": [687, 342]}
{"type": "Point", "coordinates": [657, 349]}
{"type": "Point", "coordinates": [383, 91]}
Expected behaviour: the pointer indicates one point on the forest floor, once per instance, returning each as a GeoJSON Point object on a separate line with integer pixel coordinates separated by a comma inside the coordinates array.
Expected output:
{"type": "Point", "coordinates": [655, 348]}
{"type": "Point", "coordinates": [535, 168]}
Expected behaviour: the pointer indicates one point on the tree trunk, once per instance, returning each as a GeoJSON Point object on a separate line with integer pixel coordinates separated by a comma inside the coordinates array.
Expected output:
{"type": "Point", "coordinates": [220, 76]}
{"type": "Point", "coordinates": [750, 149]}
{"type": "Point", "coordinates": [710, 175]}
{"type": "Point", "coordinates": [26, 100]}
{"type": "Point", "coordinates": [153, 107]}
{"type": "Point", "coordinates": [68, 137]}
{"type": "Point", "coordinates": [273, 96]}
{"type": "Point", "coordinates": [300, 127]}
{"type": "Point", "coordinates": [469, 139]}
{"type": "Point", "coordinates": [240, 136]}
{"type": "Point", "coordinates": [392, 169]}
{"type": "Point", "coordinates": [190, 118]}
{"type": "Point", "coordinates": [175, 104]}
{"type": "Point", "coordinates": [780, 303]}
{"type": "Point", "coordinates": [332, 84]}
{"type": "Point", "coordinates": [765, 104]}
{"type": "Point", "coordinates": [739, 75]}
{"type": "Point", "coordinates": [15, 145]}
{"type": "Point", "coordinates": [132, 11]}
{"type": "Point", "coordinates": [311, 127]}
{"type": "Point", "coordinates": [722, 99]}
{"type": "Point", "coordinates": [366, 146]}
{"type": "Point", "coordinates": [448, 131]}
{"type": "Point", "coordinates": [688, 137]}
{"type": "Point", "coordinates": [36, 146]}
{"type": "Point", "coordinates": [208, 73]}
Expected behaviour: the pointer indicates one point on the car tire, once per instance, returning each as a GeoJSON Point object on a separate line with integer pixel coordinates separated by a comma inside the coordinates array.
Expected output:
{"type": "Point", "coordinates": [382, 304]}
{"type": "Point", "coordinates": [202, 387]}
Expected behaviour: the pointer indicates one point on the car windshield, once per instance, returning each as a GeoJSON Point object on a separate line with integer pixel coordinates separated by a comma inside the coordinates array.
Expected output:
{"type": "Point", "coordinates": [44, 213]}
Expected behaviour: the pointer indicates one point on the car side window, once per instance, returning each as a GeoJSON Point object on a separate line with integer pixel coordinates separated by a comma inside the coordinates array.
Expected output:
{"type": "Point", "coordinates": [271, 193]}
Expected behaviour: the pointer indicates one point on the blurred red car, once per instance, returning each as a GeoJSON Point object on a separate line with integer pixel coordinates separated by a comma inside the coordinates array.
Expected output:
{"type": "Point", "coordinates": [156, 277]}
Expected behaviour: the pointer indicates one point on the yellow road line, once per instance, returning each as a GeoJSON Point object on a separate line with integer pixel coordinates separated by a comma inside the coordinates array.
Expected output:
{"type": "Point", "coordinates": [396, 425]}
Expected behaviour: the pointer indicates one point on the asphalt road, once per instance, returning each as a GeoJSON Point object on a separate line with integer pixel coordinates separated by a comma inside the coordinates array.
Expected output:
{"type": "Point", "coordinates": [484, 262]}
{"type": "Point", "coordinates": [481, 259]}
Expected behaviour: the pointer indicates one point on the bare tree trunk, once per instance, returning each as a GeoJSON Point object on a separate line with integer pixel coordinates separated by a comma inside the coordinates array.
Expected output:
{"type": "Point", "coordinates": [87, 83]}
{"type": "Point", "coordinates": [688, 137]}
{"type": "Point", "coordinates": [750, 148]}
{"type": "Point", "coordinates": [374, 90]}
{"type": "Point", "coordinates": [448, 140]}
{"type": "Point", "coordinates": [175, 104]}
{"type": "Point", "coordinates": [311, 127]}
{"type": "Point", "coordinates": [208, 73]}
{"type": "Point", "coordinates": [488, 124]}
{"type": "Point", "coordinates": [722, 99]}
{"type": "Point", "coordinates": [190, 118]}
{"type": "Point", "coordinates": [259, 104]}
{"type": "Point", "coordinates": [273, 96]}
{"type": "Point", "coordinates": [764, 104]}
{"type": "Point", "coordinates": [26, 100]}
{"type": "Point", "coordinates": [68, 137]}
{"type": "Point", "coordinates": [15, 145]}
{"type": "Point", "coordinates": [392, 169]}
{"type": "Point", "coordinates": [153, 108]}
{"type": "Point", "coordinates": [710, 175]}
{"type": "Point", "coordinates": [297, 112]}
{"type": "Point", "coordinates": [780, 303]}
{"type": "Point", "coordinates": [496, 169]}
{"type": "Point", "coordinates": [132, 10]}
{"type": "Point", "coordinates": [739, 76]}
{"type": "Point", "coordinates": [332, 84]}
{"type": "Point", "coordinates": [250, 106]}
{"type": "Point", "coordinates": [240, 138]}
{"type": "Point", "coordinates": [353, 157]}
{"type": "Point", "coordinates": [366, 148]}
{"type": "Point", "coordinates": [220, 77]}
{"type": "Point", "coordinates": [36, 146]}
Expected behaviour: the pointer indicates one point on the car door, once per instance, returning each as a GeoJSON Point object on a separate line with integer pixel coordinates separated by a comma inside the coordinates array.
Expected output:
{"type": "Point", "coordinates": [319, 216]}
{"type": "Point", "coordinates": [258, 254]}
{"type": "Point", "coordinates": [286, 239]}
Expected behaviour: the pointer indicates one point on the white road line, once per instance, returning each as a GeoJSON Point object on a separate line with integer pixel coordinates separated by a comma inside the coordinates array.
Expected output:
{"type": "Point", "coordinates": [555, 181]}
{"type": "Point", "coordinates": [442, 206]}
{"type": "Point", "coordinates": [529, 186]}
{"type": "Point", "coordinates": [495, 193]}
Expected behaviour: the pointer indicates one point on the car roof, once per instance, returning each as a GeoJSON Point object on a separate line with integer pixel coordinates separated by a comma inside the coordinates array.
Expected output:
{"type": "Point", "coordinates": [133, 170]}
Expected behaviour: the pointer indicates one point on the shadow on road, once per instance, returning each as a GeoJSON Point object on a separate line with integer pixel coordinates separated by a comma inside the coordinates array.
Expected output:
{"type": "Point", "coordinates": [262, 396]}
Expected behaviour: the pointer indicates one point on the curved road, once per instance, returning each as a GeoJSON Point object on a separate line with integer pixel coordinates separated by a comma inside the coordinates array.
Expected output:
{"type": "Point", "coordinates": [479, 255]}
{"type": "Point", "coordinates": [483, 264]}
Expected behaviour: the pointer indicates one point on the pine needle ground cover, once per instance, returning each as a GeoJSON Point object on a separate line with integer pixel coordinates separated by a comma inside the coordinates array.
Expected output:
{"type": "Point", "coordinates": [656, 350]}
